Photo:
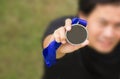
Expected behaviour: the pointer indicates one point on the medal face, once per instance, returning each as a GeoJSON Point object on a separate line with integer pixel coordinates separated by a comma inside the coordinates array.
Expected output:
{"type": "Point", "coordinates": [77, 35]}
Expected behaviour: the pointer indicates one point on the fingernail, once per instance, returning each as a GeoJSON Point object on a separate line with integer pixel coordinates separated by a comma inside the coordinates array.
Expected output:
{"type": "Point", "coordinates": [63, 42]}
{"type": "Point", "coordinates": [58, 41]}
{"type": "Point", "coordinates": [68, 28]}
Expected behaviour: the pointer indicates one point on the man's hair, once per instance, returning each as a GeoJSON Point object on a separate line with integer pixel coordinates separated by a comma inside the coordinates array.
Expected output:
{"type": "Point", "coordinates": [87, 6]}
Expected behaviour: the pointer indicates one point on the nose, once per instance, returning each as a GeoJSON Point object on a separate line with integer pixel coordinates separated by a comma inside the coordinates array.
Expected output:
{"type": "Point", "coordinates": [108, 32]}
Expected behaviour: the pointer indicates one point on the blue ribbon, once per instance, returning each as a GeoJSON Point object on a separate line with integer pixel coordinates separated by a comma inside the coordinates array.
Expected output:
{"type": "Point", "coordinates": [49, 53]}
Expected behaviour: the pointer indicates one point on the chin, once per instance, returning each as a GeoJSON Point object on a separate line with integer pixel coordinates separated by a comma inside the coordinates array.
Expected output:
{"type": "Point", "coordinates": [104, 50]}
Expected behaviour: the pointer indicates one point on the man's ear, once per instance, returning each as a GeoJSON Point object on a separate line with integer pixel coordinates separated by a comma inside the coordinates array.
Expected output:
{"type": "Point", "coordinates": [82, 15]}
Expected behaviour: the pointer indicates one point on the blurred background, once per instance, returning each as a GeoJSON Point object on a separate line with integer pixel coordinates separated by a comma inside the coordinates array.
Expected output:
{"type": "Point", "coordinates": [22, 24]}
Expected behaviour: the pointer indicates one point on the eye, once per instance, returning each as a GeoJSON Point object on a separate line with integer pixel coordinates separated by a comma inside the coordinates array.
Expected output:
{"type": "Point", "coordinates": [102, 22]}
{"type": "Point", "coordinates": [117, 26]}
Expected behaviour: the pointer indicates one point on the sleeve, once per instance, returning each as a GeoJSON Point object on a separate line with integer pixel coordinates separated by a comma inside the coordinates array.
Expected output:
{"type": "Point", "coordinates": [55, 24]}
{"type": "Point", "coordinates": [55, 71]}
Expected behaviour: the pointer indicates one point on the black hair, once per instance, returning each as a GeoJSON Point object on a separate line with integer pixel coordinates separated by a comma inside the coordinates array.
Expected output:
{"type": "Point", "coordinates": [87, 6]}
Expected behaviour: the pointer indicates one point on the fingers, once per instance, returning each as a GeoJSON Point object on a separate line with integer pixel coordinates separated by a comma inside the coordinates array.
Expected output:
{"type": "Point", "coordinates": [59, 35]}
{"type": "Point", "coordinates": [56, 36]}
{"type": "Point", "coordinates": [62, 35]}
{"type": "Point", "coordinates": [68, 23]}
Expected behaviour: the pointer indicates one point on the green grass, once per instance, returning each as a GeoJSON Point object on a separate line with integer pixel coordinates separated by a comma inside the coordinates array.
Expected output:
{"type": "Point", "coordinates": [22, 23]}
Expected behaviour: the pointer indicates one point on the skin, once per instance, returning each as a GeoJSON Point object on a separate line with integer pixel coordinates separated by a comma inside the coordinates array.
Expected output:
{"type": "Point", "coordinates": [103, 29]}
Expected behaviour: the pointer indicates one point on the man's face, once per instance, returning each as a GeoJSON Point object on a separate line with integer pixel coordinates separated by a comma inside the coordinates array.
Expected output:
{"type": "Point", "coordinates": [104, 28]}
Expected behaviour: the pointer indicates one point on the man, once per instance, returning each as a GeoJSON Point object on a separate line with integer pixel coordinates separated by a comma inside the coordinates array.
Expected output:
{"type": "Point", "coordinates": [99, 56]}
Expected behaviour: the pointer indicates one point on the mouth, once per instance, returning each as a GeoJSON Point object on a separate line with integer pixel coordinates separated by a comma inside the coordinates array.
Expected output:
{"type": "Point", "coordinates": [105, 43]}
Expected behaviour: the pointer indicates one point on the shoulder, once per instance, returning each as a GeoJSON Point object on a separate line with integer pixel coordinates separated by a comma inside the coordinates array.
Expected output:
{"type": "Point", "coordinates": [61, 20]}
{"type": "Point", "coordinates": [54, 24]}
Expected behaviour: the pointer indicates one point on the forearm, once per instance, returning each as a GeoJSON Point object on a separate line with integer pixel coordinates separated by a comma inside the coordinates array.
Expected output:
{"type": "Point", "coordinates": [47, 41]}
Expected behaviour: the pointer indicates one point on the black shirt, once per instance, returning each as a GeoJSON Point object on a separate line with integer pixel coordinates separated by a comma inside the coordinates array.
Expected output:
{"type": "Point", "coordinates": [84, 63]}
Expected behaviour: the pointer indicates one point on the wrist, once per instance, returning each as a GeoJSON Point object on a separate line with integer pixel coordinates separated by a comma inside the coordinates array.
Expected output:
{"type": "Point", "coordinates": [59, 54]}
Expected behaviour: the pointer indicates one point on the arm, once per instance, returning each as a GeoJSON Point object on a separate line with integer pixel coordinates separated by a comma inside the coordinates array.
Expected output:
{"type": "Point", "coordinates": [47, 41]}
{"type": "Point", "coordinates": [59, 36]}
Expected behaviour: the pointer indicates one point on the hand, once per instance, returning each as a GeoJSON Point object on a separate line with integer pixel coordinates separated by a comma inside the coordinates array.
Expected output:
{"type": "Point", "coordinates": [59, 35]}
